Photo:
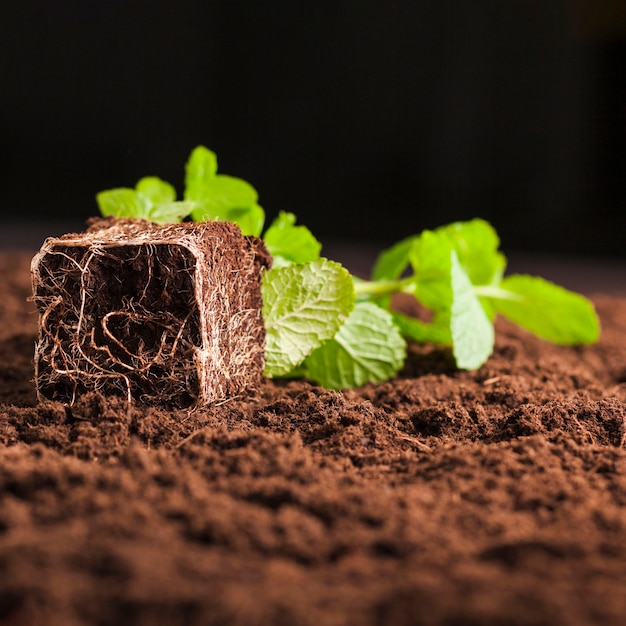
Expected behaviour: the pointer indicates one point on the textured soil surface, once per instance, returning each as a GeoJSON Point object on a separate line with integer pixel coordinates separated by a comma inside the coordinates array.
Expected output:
{"type": "Point", "coordinates": [484, 498]}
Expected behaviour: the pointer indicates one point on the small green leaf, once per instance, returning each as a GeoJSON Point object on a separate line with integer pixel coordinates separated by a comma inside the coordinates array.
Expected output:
{"type": "Point", "coordinates": [367, 348]}
{"type": "Point", "coordinates": [250, 219]}
{"type": "Point", "coordinates": [476, 244]}
{"type": "Point", "coordinates": [548, 310]}
{"type": "Point", "coordinates": [288, 243]}
{"type": "Point", "coordinates": [201, 167]}
{"type": "Point", "coordinates": [472, 331]}
{"type": "Point", "coordinates": [221, 197]}
{"type": "Point", "coordinates": [123, 202]}
{"type": "Point", "coordinates": [230, 199]}
{"type": "Point", "coordinates": [225, 192]}
{"type": "Point", "coordinates": [430, 259]}
{"type": "Point", "coordinates": [171, 212]}
{"type": "Point", "coordinates": [392, 262]}
{"type": "Point", "coordinates": [156, 190]}
{"type": "Point", "coordinates": [390, 265]}
{"type": "Point", "coordinates": [303, 306]}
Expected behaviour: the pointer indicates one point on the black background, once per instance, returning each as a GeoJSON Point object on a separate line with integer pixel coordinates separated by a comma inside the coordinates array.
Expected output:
{"type": "Point", "coordinates": [369, 120]}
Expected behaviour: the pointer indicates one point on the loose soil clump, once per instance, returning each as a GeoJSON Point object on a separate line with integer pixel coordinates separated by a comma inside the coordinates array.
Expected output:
{"type": "Point", "coordinates": [164, 315]}
{"type": "Point", "coordinates": [441, 497]}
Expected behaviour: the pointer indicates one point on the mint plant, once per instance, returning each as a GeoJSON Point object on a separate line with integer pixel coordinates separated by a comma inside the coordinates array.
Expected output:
{"type": "Point", "coordinates": [340, 331]}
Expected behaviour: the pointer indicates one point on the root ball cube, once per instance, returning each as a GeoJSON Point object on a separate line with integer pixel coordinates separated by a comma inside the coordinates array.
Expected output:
{"type": "Point", "coordinates": [163, 315]}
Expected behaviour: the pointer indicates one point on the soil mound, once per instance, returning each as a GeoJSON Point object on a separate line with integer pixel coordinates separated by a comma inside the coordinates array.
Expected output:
{"type": "Point", "coordinates": [441, 497]}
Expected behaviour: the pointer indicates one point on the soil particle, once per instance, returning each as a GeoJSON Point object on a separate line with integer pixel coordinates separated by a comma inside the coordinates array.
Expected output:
{"type": "Point", "coordinates": [441, 497]}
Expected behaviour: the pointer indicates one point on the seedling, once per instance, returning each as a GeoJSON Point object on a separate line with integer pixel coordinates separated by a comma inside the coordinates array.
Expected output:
{"type": "Point", "coordinates": [340, 331]}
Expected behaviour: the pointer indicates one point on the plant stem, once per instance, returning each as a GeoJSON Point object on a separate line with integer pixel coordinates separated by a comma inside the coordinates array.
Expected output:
{"type": "Point", "coordinates": [406, 285]}
{"type": "Point", "coordinates": [489, 291]}
{"type": "Point", "coordinates": [383, 287]}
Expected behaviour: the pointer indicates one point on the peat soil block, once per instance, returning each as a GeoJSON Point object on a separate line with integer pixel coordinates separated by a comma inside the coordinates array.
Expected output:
{"type": "Point", "coordinates": [438, 498]}
{"type": "Point", "coordinates": [167, 315]}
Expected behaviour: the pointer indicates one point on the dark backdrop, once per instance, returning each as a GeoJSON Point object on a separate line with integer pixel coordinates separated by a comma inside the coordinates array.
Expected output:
{"type": "Point", "coordinates": [369, 120]}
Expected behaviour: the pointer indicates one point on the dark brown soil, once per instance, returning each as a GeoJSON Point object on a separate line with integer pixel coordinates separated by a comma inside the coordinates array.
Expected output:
{"type": "Point", "coordinates": [442, 497]}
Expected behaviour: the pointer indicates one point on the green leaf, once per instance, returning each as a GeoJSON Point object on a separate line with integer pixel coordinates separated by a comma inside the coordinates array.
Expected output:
{"type": "Point", "coordinates": [250, 219]}
{"type": "Point", "coordinates": [438, 331]}
{"type": "Point", "coordinates": [288, 243]}
{"type": "Point", "coordinates": [222, 197]}
{"type": "Point", "coordinates": [170, 212]}
{"type": "Point", "coordinates": [230, 199]}
{"type": "Point", "coordinates": [225, 192]}
{"type": "Point", "coordinates": [392, 262]}
{"type": "Point", "coordinates": [156, 190]}
{"type": "Point", "coordinates": [476, 244]}
{"type": "Point", "coordinates": [390, 265]}
{"type": "Point", "coordinates": [303, 306]}
{"type": "Point", "coordinates": [548, 310]}
{"type": "Point", "coordinates": [472, 331]}
{"type": "Point", "coordinates": [430, 259]}
{"type": "Point", "coordinates": [201, 167]}
{"type": "Point", "coordinates": [123, 202]}
{"type": "Point", "coordinates": [367, 348]}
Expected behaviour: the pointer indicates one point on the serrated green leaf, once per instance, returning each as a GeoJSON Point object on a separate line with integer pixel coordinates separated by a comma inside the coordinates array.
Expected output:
{"type": "Point", "coordinates": [303, 306]}
{"type": "Point", "coordinates": [476, 244]}
{"type": "Point", "coordinates": [156, 190]}
{"type": "Point", "coordinates": [200, 168]}
{"type": "Point", "coordinates": [548, 310]}
{"type": "Point", "coordinates": [367, 348]}
{"type": "Point", "coordinates": [288, 243]}
{"type": "Point", "coordinates": [472, 331]}
{"type": "Point", "coordinates": [123, 202]}
{"type": "Point", "coordinates": [170, 212]}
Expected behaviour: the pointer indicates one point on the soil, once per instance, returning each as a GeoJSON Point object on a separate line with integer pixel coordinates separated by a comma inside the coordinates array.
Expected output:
{"type": "Point", "coordinates": [441, 497]}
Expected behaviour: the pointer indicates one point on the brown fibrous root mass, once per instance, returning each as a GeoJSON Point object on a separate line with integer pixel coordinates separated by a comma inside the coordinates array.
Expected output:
{"type": "Point", "coordinates": [164, 315]}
